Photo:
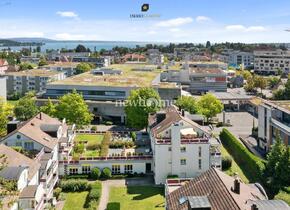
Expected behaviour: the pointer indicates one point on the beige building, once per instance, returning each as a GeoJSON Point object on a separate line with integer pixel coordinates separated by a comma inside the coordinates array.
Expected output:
{"type": "Point", "coordinates": [269, 62]}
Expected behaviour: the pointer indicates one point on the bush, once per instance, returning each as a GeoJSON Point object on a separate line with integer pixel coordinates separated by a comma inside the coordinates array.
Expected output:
{"type": "Point", "coordinates": [172, 176]}
{"type": "Point", "coordinates": [106, 173]}
{"type": "Point", "coordinates": [95, 173]}
{"type": "Point", "coordinates": [105, 144]}
{"type": "Point", "coordinates": [74, 185]}
{"type": "Point", "coordinates": [94, 195]}
{"type": "Point", "coordinates": [91, 145]}
{"type": "Point", "coordinates": [121, 144]}
{"type": "Point", "coordinates": [226, 162]}
{"type": "Point", "coordinates": [79, 148]}
{"type": "Point", "coordinates": [56, 192]}
{"type": "Point", "coordinates": [252, 165]}
{"type": "Point", "coordinates": [133, 136]}
{"type": "Point", "coordinates": [108, 123]}
{"type": "Point", "coordinates": [94, 128]}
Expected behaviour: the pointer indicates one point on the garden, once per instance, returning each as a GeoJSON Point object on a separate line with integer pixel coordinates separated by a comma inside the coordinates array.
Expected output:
{"type": "Point", "coordinates": [136, 197]}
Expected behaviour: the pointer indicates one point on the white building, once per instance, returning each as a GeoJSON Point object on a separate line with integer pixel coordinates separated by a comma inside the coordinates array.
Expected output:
{"type": "Point", "coordinates": [40, 137]}
{"type": "Point", "coordinates": [155, 57]}
{"type": "Point", "coordinates": [238, 58]}
{"type": "Point", "coordinates": [180, 146]}
{"type": "Point", "coordinates": [269, 62]}
{"type": "Point", "coordinates": [3, 91]}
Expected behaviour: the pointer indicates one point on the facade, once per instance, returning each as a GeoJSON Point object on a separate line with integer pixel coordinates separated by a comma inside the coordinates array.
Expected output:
{"type": "Point", "coordinates": [40, 138]}
{"type": "Point", "coordinates": [30, 59]}
{"type": "Point", "coordinates": [59, 56]}
{"type": "Point", "coordinates": [31, 80]}
{"type": "Point", "coordinates": [273, 120]}
{"type": "Point", "coordinates": [3, 91]}
{"type": "Point", "coordinates": [68, 68]}
{"type": "Point", "coordinates": [25, 171]}
{"type": "Point", "coordinates": [238, 58]}
{"type": "Point", "coordinates": [155, 57]}
{"type": "Point", "coordinates": [180, 146]}
{"type": "Point", "coordinates": [216, 190]}
{"type": "Point", "coordinates": [270, 62]}
{"type": "Point", "coordinates": [3, 66]}
{"type": "Point", "coordinates": [104, 61]}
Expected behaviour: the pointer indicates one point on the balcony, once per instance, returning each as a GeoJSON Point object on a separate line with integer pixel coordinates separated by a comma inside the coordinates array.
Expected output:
{"type": "Point", "coordinates": [203, 140]}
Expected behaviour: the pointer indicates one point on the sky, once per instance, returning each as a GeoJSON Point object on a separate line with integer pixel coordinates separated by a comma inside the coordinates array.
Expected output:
{"type": "Point", "coordinates": [249, 21]}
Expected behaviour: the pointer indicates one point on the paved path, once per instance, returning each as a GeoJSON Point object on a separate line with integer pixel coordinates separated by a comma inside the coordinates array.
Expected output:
{"type": "Point", "coordinates": [120, 183]}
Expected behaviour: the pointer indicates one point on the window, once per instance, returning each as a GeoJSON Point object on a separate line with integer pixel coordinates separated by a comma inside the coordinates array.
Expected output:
{"type": "Point", "coordinates": [28, 145]}
{"type": "Point", "coordinates": [128, 169]}
{"type": "Point", "coordinates": [199, 151]}
{"type": "Point", "coordinates": [18, 144]}
{"type": "Point", "coordinates": [116, 169]}
{"type": "Point", "coordinates": [182, 149]}
{"type": "Point", "coordinates": [73, 171]}
{"type": "Point", "coordinates": [199, 164]}
{"type": "Point", "coordinates": [183, 161]}
{"type": "Point", "coordinates": [86, 169]}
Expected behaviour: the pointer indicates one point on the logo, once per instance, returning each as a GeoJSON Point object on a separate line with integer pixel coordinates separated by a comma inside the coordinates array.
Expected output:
{"type": "Point", "coordinates": [145, 7]}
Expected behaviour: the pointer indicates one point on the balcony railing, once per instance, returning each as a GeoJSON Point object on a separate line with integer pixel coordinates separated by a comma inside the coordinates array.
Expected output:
{"type": "Point", "coordinates": [183, 140]}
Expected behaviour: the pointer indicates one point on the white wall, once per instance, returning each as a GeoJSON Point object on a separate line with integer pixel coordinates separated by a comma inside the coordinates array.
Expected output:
{"type": "Point", "coordinates": [23, 180]}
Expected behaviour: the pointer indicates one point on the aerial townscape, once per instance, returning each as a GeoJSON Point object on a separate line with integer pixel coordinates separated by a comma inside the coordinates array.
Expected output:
{"type": "Point", "coordinates": [145, 106]}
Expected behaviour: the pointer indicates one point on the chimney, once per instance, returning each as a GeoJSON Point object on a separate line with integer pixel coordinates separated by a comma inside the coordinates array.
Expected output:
{"type": "Point", "coordinates": [182, 112]}
{"type": "Point", "coordinates": [40, 116]}
{"type": "Point", "coordinates": [237, 186]}
{"type": "Point", "coordinates": [12, 126]}
{"type": "Point", "coordinates": [254, 207]}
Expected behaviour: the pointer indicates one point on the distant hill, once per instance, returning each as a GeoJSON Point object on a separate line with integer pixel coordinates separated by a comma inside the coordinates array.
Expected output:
{"type": "Point", "coordinates": [31, 39]}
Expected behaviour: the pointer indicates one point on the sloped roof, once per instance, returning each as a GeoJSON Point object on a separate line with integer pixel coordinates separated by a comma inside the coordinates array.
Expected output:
{"type": "Point", "coordinates": [16, 159]}
{"type": "Point", "coordinates": [28, 192]}
{"type": "Point", "coordinates": [3, 62]}
{"type": "Point", "coordinates": [12, 173]}
{"type": "Point", "coordinates": [217, 187]}
{"type": "Point", "coordinates": [33, 129]}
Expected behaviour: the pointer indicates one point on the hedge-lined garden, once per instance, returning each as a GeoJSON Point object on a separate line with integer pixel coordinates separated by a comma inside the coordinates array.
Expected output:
{"type": "Point", "coordinates": [252, 166]}
{"type": "Point", "coordinates": [71, 188]}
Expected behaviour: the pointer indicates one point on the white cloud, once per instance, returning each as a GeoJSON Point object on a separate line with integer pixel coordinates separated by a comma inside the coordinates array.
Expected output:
{"type": "Point", "coordinates": [241, 28]}
{"type": "Point", "coordinates": [174, 29]}
{"type": "Point", "coordinates": [202, 19]}
{"type": "Point", "coordinates": [175, 22]}
{"type": "Point", "coordinates": [152, 32]}
{"type": "Point", "coordinates": [69, 14]}
{"type": "Point", "coordinates": [67, 36]}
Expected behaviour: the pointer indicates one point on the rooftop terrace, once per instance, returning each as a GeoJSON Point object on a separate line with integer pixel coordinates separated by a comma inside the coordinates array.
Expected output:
{"type": "Point", "coordinates": [128, 78]}
{"type": "Point", "coordinates": [34, 73]}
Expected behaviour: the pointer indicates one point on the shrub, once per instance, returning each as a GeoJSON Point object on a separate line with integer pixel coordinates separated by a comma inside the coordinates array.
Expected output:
{"type": "Point", "coordinates": [94, 195]}
{"type": "Point", "coordinates": [106, 173]}
{"type": "Point", "coordinates": [56, 192]}
{"type": "Point", "coordinates": [79, 148]}
{"type": "Point", "coordinates": [173, 176]}
{"type": "Point", "coordinates": [252, 165]}
{"type": "Point", "coordinates": [105, 144]}
{"type": "Point", "coordinates": [121, 144]}
{"type": "Point", "coordinates": [74, 185]}
{"type": "Point", "coordinates": [94, 128]}
{"type": "Point", "coordinates": [108, 123]}
{"type": "Point", "coordinates": [133, 136]}
{"type": "Point", "coordinates": [226, 162]}
{"type": "Point", "coordinates": [91, 145]}
{"type": "Point", "coordinates": [95, 173]}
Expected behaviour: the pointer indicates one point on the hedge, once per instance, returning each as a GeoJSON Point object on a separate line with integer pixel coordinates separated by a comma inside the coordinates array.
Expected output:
{"type": "Point", "coordinates": [251, 165]}
{"type": "Point", "coordinates": [94, 195]}
{"type": "Point", "coordinates": [95, 173]}
{"type": "Point", "coordinates": [105, 144]}
{"type": "Point", "coordinates": [74, 185]}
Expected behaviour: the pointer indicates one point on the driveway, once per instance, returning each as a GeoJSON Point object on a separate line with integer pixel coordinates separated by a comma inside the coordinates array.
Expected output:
{"type": "Point", "coordinates": [121, 183]}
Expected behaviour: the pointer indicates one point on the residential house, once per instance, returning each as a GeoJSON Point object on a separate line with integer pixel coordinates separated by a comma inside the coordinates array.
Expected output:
{"type": "Point", "coordinates": [273, 120]}
{"type": "Point", "coordinates": [180, 146]}
{"type": "Point", "coordinates": [215, 190]}
{"type": "Point", "coordinates": [3, 66]}
{"type": "Point", "coordinates": [25, 172]}
{"type": "Point", "coordinates": [40, 138]}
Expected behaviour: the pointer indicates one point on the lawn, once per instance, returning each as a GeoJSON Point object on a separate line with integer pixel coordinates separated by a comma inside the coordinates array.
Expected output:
{"type": "Point", "coordinates": [75, 200]}
{"type": "Point", "coordinates": [234, 168]}
{"type": "Point", "coordinates": [96, 138]}
{"type": "Point", "coordinates": [91, 153]}
{"type": "Point", "coordinates": [136, 197]}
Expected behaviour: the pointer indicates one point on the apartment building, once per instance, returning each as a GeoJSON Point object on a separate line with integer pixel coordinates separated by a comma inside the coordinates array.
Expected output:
{"type": "Point", "coordinates": [155, 57]}
{"type": "Point", "coordinates": [216, 190]}
{"type": "Point", "coordinates": [25, 172]}
{"type": "Point", "coordinates": [237, 58]}
{"type": "Point", "coordinates": [180, 146]}
{"type": "Point", "coordinates": [3, 91]}
{"type": "Point", "coordinates": [69, 68]}
{"type": "Point", "coordinates": [31, 80]}
{"type": "Point", "coordinates": [40, 137]}
{"type": "Point", "coordinates": [103, 61]}
{"type": "Point", "coordinates": [270, 62]}
{"type": "Point", "coordinates": [273, 120]}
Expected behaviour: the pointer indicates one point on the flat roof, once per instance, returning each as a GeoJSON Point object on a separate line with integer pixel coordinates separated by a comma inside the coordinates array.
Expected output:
{"type": "Point", "coordinates": [33, 72]}
{"type": "Point", "coordinates": [128, 78]}
{"type": "Point", "coordinates": [207, 71]}
{"type": "Point", "coordinates": [62, 64]}
{"type": "Point", "coordinates": [283, 105]}
{"type": "Point", "coordinates": [231, 96]}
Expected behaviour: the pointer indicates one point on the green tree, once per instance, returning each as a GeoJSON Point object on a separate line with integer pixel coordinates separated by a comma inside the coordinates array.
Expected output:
{"type": "Point", "coordinates": [187, 103]}
{"type": "Point", "coordinates": [49, 108]}
{"type": "Point", "coordinates": [282, 172]}
{"type": "Point", "coordinates": [250, 86]}
{"type": "Point", "coordinates": [140, 103]}
{"type": "Point", "coordinates": [25, 108]}
{"type": "Point", "coordinates": [260, 82]}
{"type": "Point", "coordinates": [6, 110]}
{"type": "Point", "coordinates": [81, 48]}
{"type": "Point", "coordinates": [273, 81]}
{"type": "Point", "coordinates": [246, 74]}
{"type": "Point", "coordinates": [208, 45]}
{"type": "Point", "coordinates": [42, 62]}
{"type": "Point", "coordinates": [209, 106]}
{"type": "Point", "coordinates": [26, 66]}
{"type": "Point", "coordinates": [82, 68]}
{"type": "Point", "coordinates": [74, 109]}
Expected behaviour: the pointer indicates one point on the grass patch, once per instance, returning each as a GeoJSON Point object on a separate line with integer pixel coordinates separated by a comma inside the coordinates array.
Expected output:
{"type": "Point", "coordinates": [283, 195]}
{"type": "Point", "coordinates": [96, 138]}
{"type": "Point", "coordinates": [91, 153]}
{"type": "Point", "coordinates": [136, 197]}
{"type": "Point", "coordinates": [75, 200]}
{"type": "Point", "coordinates": [234, 168]}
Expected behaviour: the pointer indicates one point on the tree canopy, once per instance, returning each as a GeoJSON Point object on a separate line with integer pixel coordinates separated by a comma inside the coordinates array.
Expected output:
{"type": "Point", "coordinates": [74, 109]}
{"type": "Point", "coordinates": [82, 68]}
{"type": "Point", "coordinates": [49, 108]}
{"type": "Point", "coordinates": [209, 106]}
{"type": "Point", "coordinates": [187, 103]}
{"type": "Point", "coordinates": [6, 110]}
{"type": "Point", "coordinates": [25, 108]}
{"type": "Point", "coordinates": [140, 103]}
{"type": "Point", "coordinates": [81, 48]}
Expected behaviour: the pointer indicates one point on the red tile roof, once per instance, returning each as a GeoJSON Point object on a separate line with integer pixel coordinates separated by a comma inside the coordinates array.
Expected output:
{"type": "Point", "coordinates": [3, 62]}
